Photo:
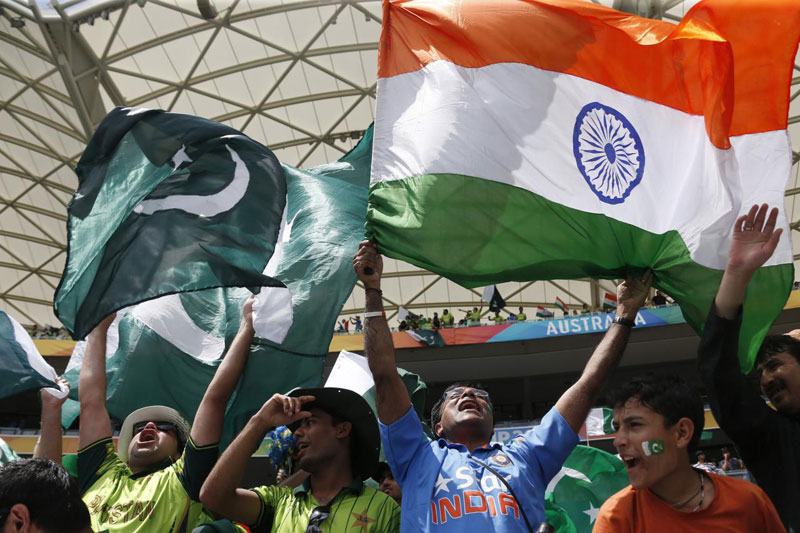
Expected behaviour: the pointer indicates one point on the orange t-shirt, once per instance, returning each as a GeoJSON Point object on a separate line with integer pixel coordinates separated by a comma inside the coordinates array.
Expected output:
{"type": "Point", "coordinates": [738, 506]}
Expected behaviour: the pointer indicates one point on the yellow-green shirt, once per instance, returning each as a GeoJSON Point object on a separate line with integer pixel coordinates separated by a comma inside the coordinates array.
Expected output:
{"type": "Point", "coordinates": [163, 501]}
{"type": "Point", "coordinates": [356, 509]}
{"type": "Point", "coordinates": [521, 316]}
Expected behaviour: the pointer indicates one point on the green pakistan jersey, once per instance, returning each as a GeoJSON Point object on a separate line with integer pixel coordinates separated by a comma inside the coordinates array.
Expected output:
{"type": "Point", "coordinates": [162, 501]}
{"type": "Point", "coordinates": [356, 509]}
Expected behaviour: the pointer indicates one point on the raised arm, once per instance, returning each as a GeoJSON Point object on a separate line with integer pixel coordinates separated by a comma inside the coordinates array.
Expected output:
{"type": "Point", "coordinates": [392, 396]}
{"type": "Point", "coordinates": [207, 425]}
{"type": "Point", "coordinates": [220, 492]}
{"type": "Point", "coordinates": [94, 422]}
{"type": "Point", "coordinates": [737, 406]}
{"type": "Point", "coordinates": [49, 445]}
{"type": "Point", "coordinates": [753, 242]}
{"type": "Point", "coordinates": [575, 403]}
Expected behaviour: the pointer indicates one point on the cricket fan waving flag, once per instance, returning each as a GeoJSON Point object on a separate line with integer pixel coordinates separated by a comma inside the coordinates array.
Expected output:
{"type": "Point", "coordinates": [166, 203]}
{"type": "Point", "coordinates": [580, 141]}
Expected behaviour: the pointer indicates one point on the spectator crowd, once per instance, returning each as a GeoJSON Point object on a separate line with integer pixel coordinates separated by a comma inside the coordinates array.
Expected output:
{"type": "Point", "coordinates": [166, 475]}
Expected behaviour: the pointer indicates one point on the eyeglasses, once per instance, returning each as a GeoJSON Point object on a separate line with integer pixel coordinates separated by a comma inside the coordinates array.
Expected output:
{"type": "Point", "coordinates": [162, 426]}
{"type": "Point", "coordinates": [452, 394]}
{"type": "Point", "coordinates": [318, 515]}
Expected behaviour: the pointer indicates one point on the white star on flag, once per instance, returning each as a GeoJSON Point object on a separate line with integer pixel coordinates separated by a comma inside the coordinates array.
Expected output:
{"type": "Point", "coordinates": [592, 511]}
{"type": "Point", "coordinates": [441, 484]}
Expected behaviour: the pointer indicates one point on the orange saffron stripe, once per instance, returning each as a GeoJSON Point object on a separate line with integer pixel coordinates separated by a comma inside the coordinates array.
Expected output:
{"type": "Point", "coordinates": [690, 67]}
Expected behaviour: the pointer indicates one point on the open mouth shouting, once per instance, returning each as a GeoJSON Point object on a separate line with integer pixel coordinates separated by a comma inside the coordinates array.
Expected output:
{"type": "Point", "coordinates": [301, 447]}
{"type": "Point", "coordinates": [630, 461]}
{"type": "Point", "coordinates": [147, 437]}
{"type": "Point", "coordinates": [469, 404]}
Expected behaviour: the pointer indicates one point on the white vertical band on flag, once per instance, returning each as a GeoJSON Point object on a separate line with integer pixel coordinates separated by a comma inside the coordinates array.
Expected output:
{"type": "Point", "coordinates": [35, 359]}
{"type": "Point", "coordinates": [351, 371]}
{"type": "Point", "coordinates": [167, 317]}
{"type": "Point", "coordinates": [514, 124]}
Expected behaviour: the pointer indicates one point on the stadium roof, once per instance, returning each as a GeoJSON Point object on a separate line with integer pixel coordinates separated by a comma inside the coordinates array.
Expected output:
{"type": "Point", "coordinates": [298, 76]}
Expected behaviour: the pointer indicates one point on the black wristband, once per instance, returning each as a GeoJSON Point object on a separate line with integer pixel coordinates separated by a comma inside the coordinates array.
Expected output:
{"type": "Point", "coordinates": [621, 320]}
{"type": "Point", "coordinates": [380, 292]}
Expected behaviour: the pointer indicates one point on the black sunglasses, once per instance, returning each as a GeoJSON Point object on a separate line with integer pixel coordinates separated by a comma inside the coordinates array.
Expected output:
{"type": "Point", "coordinates": [162, 426]}
{"type": "Point", "coordinates": [318, 515]}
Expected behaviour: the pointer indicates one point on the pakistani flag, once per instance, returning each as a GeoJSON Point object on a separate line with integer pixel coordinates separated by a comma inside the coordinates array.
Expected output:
{"type": "Point", "coordinates": [169, 348]}
{"type": "Point", "coordinates": [22, 367]}
{"type": "Point", "coordinates": [351, 371]}
{"type": "Point", "coordinates": [428, 337]}
{"type": "Point", "coordinates": [574, 496]}
{"type": "Point", "coordinates": [492, 296]}
{"type": "Point", "coordinates": [606, 145]}
{"type": "Point", "coordinates": [600, 422]}
{"type": "Point", "coordinates": [166, 203]}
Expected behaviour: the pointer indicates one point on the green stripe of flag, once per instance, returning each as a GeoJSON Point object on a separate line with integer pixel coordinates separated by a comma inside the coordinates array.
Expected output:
{"type": "Point", "coordinates": [478, 232]}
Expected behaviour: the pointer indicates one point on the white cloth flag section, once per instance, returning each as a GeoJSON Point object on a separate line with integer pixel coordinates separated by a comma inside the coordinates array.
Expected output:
{"type": "Point", "coordinates": [22, 367]}
{"type": "Point", "coordinates": [351, 371]}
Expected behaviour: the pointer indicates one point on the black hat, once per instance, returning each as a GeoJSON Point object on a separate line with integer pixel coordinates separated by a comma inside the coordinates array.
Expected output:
{"type": "Point", "coordinates": [352, 407]}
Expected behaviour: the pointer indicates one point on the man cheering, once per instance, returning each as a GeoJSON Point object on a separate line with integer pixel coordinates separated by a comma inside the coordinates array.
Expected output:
{"type": "Point", "coordinates": [462, 482]}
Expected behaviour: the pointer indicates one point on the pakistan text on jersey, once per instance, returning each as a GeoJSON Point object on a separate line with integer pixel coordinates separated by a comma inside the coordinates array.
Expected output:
{"type": "Point", "coordinates": [121, 512]}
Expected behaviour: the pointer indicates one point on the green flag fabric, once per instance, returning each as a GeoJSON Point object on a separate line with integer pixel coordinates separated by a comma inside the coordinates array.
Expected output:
{"type": "Point", "coordinates": [169, 348]}
{"type": "Point", "coordinates": [428, 337]}
{"type": "Point", "coordinates": [574, 496]}
{"type": "Point", "coordinates": [166, 203]}
{"type": "Point", "coordinates": [22, 367]}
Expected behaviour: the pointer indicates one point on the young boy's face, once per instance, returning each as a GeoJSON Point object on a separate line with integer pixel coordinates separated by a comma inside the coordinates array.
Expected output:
{"type": "Point", "coordinates": [649, 449]}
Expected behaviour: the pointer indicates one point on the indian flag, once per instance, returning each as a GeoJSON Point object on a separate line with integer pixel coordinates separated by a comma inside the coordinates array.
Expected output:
{"type": "Point", "coordinates": [609, 301]}
{"type": "Point", "coordinates": [541, 312]}
{"type": "Point", "coordinates": [522, 140]}
{"type": "Point", "coordinates": [561, 305]}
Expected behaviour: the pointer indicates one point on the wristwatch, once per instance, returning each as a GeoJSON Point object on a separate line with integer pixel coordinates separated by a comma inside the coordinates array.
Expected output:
{"type": "Point", "coordinates": [624, 321]}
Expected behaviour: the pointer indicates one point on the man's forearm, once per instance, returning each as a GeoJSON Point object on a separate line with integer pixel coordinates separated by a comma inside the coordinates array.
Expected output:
{"type": "Point", "coordinates": [392, 397]}
{"type": "Point", "coordinates": [575, 403]}
{"type": "Point", "coordinates": [92, 377]}
{"type": "Point", "coordinates": [219, 492]}
{"type": "Point", "coordinates": [49, 445]}
{"type": "Point", "coordinates": [731, 292]}
{"type": "Point", "coordinates": [207, 426]}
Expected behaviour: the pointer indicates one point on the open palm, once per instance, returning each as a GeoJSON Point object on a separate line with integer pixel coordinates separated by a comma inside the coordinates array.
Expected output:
{"type": "Point", "coordinates": [754, 239]}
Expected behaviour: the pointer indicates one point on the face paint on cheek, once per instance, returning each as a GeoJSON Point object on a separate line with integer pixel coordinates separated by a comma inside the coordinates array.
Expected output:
{"type": "Point", "coordinates": [653, 447]}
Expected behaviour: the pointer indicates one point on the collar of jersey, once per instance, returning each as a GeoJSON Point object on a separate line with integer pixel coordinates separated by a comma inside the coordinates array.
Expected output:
{"type": "Point", "coordinates": [356, 486]}
{"type": "Point", "coordinates": [160, 466]}
{"type": "Point", "coordinates": [443, 443]}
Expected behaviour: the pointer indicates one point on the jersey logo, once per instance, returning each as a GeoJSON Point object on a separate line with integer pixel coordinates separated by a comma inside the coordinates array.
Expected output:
{"type": "Point", "coordinates": [362, 520]}
{"type": "Point", "coordinates": [500, 459]}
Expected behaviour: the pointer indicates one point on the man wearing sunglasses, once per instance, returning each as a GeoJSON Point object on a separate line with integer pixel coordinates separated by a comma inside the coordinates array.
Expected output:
{"type": "Point", "coordinates": [337, 444]}
{"type": "Point", "coordinates": [462, 481]}
{"type": "Point", "coordinates": [152, 483]}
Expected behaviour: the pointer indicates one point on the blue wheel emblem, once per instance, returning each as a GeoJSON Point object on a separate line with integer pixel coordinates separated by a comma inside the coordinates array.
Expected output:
{"type": "Point", "coordinates": [608, 151]}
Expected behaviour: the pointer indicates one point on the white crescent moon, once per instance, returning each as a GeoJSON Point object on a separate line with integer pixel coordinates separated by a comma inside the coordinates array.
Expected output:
{"type": "Point", "coordinates": [204, 206]}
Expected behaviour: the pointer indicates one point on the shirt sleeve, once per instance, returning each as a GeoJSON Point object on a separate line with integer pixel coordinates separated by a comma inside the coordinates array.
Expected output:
{"type": "Point", "coordinates": [403, 442]}
{"type": "Point", "coordinates": [270, 497]}
{"type": "Point", "coordinates": [94, 461]}
{"type": "Point", "coordinates": [547, 445]}
{"type": "Point", "coordinates": [737, 406]}
{"type": "Point", "coordinates": [194, 466]}
{"type": "Point", "coordinates": [772, 521]}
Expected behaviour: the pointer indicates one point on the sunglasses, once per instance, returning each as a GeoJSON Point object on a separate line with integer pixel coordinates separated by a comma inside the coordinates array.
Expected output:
{"type": "Point", "coordinates": [459, 391]}
{"type": "Point", "coordinates": [318, 515]}
{"type": "Point", "coordinates": [161, 426]}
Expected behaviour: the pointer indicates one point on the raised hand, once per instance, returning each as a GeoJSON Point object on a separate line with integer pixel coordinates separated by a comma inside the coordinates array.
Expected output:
{"type": "Point", "coordinates": [754, 239]}
{"type": "Point", "coordinates": [367, 258]}
{"type": "Point", "coordinates": [632, 293]}
{"type": "Point", "coordinates": [281, 410]}
{"type": "Point", "coordinates": [247, 313]}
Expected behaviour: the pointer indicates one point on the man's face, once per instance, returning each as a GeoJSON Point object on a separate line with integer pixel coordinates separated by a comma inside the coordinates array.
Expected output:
{"type": "Point", "coordinates": [390, 487]}
{"type": "Point", "coordinates": [637, 425]}
{"type": "Point", "coordinates": [780, 382]}
{"type": "Point", "coordinates": [465, 406]}
{"type": "Point", "coordinates": [152, 445]}
{"type": "Point", "coordinates": [319, 440]}
{"type": "Point", "coordinates": [701, 458]}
